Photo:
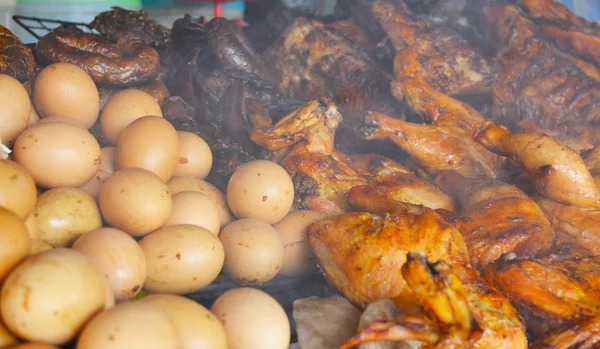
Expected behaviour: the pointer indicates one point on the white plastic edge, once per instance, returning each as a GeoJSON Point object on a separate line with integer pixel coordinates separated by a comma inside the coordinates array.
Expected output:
{"type": "Point", "coordinates": [4, 151]}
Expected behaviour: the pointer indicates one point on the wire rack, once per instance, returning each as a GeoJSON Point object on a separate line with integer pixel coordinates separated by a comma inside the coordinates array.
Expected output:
{"type": "Point", "coordinates": [38, 27]}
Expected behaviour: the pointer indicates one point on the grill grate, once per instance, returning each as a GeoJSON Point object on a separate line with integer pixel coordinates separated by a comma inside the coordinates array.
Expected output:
{"type": "Point", "coordinates": [35, 25]}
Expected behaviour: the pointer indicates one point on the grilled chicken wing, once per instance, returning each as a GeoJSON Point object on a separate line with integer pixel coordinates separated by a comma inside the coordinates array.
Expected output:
{"type": "Point", "coordinates": [536, 83]}
{"type": "Point", "coordinates": [559, 172]}
{"type": "Point", "coordinates": [549, 292]}
{"type": "Point", "coordinates": [369, 257]}
{"type": "Point", "coordinates": [568, 31]}
{"type": "Point", "coordinates": [450, 64]}
{"type": "Point", "coordinates": [425, 100]}
{"type": "Point", "coordinates": [497, 219]}
{"type": "Point", "coordinates": [584, 334]}
{"type": "Point", "coordinates": [435, 148]}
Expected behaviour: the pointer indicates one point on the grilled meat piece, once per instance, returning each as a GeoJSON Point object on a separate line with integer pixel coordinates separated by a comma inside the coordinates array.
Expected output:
{"type": "Point", "coordinates": [415, 258]}
{"type": "Point", "coordinates": [584, 334]}
{"type": "Point", "coordinates": [565, 29]}
{"type": "Point", "coordinates": [549, 292]}
{"type": "Point", "coordinates": [496, 219]}
{"type": "Point", "coordinates": [316, 61]}
{"type": "Point", "coordinates": [118, 22]}
{"type": "Point", "coordinates": [449, 63]}
{"type": "Point", "coordinates": [537, 83]}
{"type": "Point", "coordinates": [559, 172]}
{"type": "Point", "coordinates": [434, 148]}
{"type": "Point", "coordinates": [188, 34]}
{"type": "Point", "coordinates": [16, 59]}
{"type": "Point", "coordinates": [268, 19]}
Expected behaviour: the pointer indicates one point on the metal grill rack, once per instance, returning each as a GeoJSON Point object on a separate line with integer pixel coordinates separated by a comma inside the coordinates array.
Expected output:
{"type": "Point", "coordinates": [38, 27]}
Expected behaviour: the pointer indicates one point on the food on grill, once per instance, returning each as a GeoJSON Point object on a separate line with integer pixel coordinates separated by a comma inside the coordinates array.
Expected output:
{"type": "Point", "coordinates": [196, 208]}
{"type": "Point", "coordinates": [15, 109]}
{"type": "Point", "coordinates": [127, 62]}
{"type": "Point", "coordinates": [16, 58]}
{"type": "Point", "coordinates": [119, 22]}
{"type": "Point", "coordinates": [195, 157]}
{"type": "Point", "coordinates": [188, 34]}
{"type": "Point", "coordinates": [65, 90]}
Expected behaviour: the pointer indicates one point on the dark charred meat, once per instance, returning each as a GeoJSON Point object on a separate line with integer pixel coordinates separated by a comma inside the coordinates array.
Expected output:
{"type": "Point", "coordinates": [566, 30]}
{"type": "Point", "coordinates": [129, 62]}
{"type": "Point", "coordinates": [422, 6]}
{"type": "Point", "coordinates": [537, 83]}
{"type": "Point", "coordinates": [450, 64]}
{"type": "Point", "coordinates": [235, 53]}
{"type": "Point", "coordinates": [16, 59]}
{"type": "Point", "coordinates": [316, 61]}
{"type": "Point", "coordinates": [188, 34]}
{"type": "Point", "coordinates": [118, 22]}
{"type": "Point", "coordinates": [265, 29]}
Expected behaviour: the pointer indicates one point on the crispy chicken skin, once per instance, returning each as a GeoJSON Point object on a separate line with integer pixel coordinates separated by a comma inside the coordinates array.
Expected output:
{"type": "Point", "coordinates": [551, 291]}
{"type": "Point", "coordinates": [369, 257]}
{"type": "Point", "coordinates": [537, 84]}
{"type": "Point", "coordinates": [564, 28]}
{"type": "Point", "coordinates": [559, 172]}
{"type": "Point", "coordinates": [450, 64]}
{"type": "Point", "coordinates": [435, 148]}
{"type": "Point", "coordinates": [436, 107]}
{"type": "Point", "coordinates": [584, 334]}
{"type": "Point", "coordinates": [496, 219]}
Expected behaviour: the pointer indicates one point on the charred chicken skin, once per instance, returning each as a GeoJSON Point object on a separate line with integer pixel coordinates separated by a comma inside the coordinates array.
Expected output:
{"type": "Point", "coordinates": [417, 259]}
{"type": "Point", "coordinates": [450, 64]}
{"type": "Point", "coordinates": [496, 219]}
{"type": "Point", "coordinates": [322, 176]}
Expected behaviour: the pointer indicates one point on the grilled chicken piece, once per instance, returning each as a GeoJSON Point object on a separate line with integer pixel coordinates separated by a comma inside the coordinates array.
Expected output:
{"type": "Point", "coordinates": [536, 83]}
{"type": "Point", "coordinates": [435, 148]}
{"type": "Point", "coordinates": [315, 61]}
{"type": "Point", "coordinates": [559, 172]}
{"type": "Point", "coordinates": [438, 108]}
{"type": "Point", "coordinates": [564, 28]}
{"type": "Point", "coordinates": [592, 161]}
{"type": "Point", "coordinates": [497, 219]}
{"type": "Point", "coordinates": [322, 176]}
{"type": "Point", "coordinates": [552, 291]}
{"type": "Point", "coordinates": [386, 259]}
{"type": "Point", "coordinates": [572, 223]}
{"type": "Point", "coordinates": [449, 63]}
{"type": "Point", "coordinates": [584, 334]}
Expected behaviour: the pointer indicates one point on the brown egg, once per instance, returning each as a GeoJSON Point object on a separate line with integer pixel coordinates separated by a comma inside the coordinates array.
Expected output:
{"type": "Point", "coordinates": [17, 189]}
{"type": "Point", "coordinates": [181, 259]}
{"type": "Point", "coordinates": [94, 185]}
{"type": "Point", "coordinates": [123, 108]}
{"type": "Point", "coordinates": [179, 184]}
{"type": "Point", "coordinates": [14, 241]}
{"type": "Point", "coordinates": [60, 119]}
{"type": "Point", "coordinates": [32, 228]}
{"type": "Point", "coordinates": [253, 251]}
{"type": "Point", "coordinates": [64, 89]}
{"type": "Point", "coordinates": [33, 116]}
{"type": "Point", "coordinates": [118, 257]}
{"type": "Point", "coordinates": [14, 109]}
{"type": "Point", "coordinates": [252, 319]}
{"type": "Point", "coordinates": [193, 207]}
{"type": "Point", "coordinates": [151, 143]}
{"type": "Point", "coordinates": [38, 246]}
{"type": "Point", "coordinates": [34, 346]}
{"type": "Point", "coordinates": [135, 200]}
{"type": "Point", "coordinates": [109, 159]}
{"type": "Point", "coordinates": [196, 326]}
{"type": "Point", "coordinates": [298, 256]}
{"type": "Point", "coordinates": [195, 158]}
{"type": "Point", "coordinates": [65, 277]}
{"type": "Point", "coordinates": [64, 214]}
{"type": "Point", "coordinates": [130, 325]}
{"type": "Point", "coordinates": [7, 339]}
{"type": "Point", "coordinates": [260, 189]}
{"type": "Point", "coordinates": [58, 154]}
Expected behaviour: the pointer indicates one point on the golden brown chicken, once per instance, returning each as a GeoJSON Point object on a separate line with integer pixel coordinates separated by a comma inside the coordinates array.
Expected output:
{"type": "Point", "coordinates": [450, 64]}
{"type": "Point", "coordinates": [369, 257]}
{"type": "Point", "coordinates": [583, 334]}
{"type": "Point", "coordinates": [559, 172]}
{"type": "Point", "coordinates": [549, 292]}
{"type": "Point", "coordinates": [435, 106]}
{"type": "Point", "coordinates": [435, 148]}
{"type": "Point", "coordinates": [322, 176]}
{"type": "Point", "coordinates": [564, 28]}
{"type": "Point", "coordinates": [496, 219]}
